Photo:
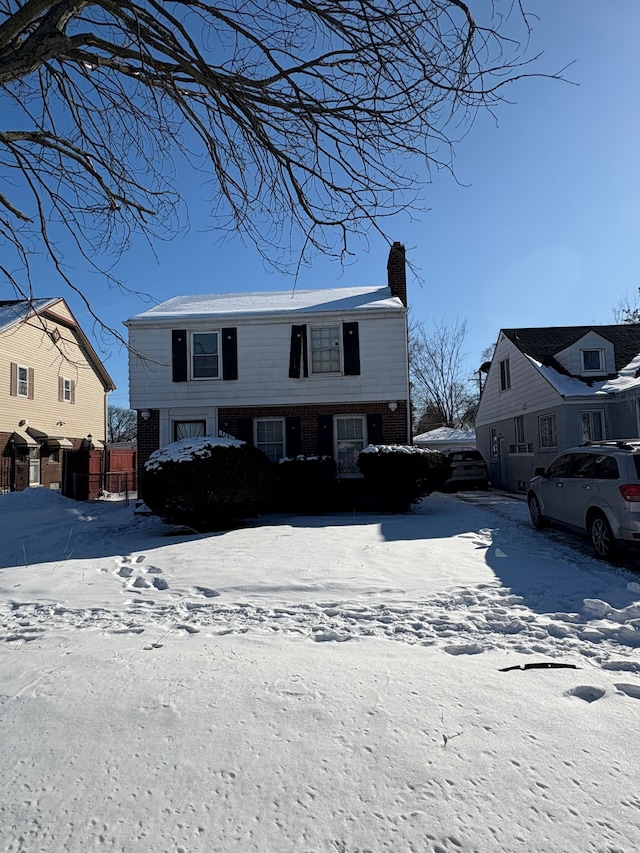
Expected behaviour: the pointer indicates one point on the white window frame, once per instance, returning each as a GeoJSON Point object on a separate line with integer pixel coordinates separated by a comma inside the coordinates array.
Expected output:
{"type": "Point", "coordinates": [176, 421]}
{"type": "Point", "coordinates": [193, 356]}
{"type": "Point", "coordinates": [260, 444]}
{"type": "Point", "coordinates": [67, 392]}
{"type": "Point", "coordinates": [505, 374]}
{"type": "Point", "coordinates": [337, 442]}
{"type": "Point", "coordinates": [321, 328]}
{"type": "Point", "coordinates": [22, 383]}
{"type": "Point", "coordinates": [600, 367]}
{"type": "Point", "coordinates": [588, 415]}
{"type": "Point", "coordinates": [553, 421]}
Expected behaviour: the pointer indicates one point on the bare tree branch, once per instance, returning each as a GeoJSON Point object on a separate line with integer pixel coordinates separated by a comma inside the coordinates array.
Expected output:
{"type": "Point", "coordinates": [312, 120]}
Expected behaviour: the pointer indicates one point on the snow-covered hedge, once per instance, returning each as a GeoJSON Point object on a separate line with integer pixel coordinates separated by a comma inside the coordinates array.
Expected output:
{"type": "Point", "coordinates": [207, 482]}
{"type": "Point", "coordinates": [398, 475]}
{"type": "Point", "coordinates": [306, 483]}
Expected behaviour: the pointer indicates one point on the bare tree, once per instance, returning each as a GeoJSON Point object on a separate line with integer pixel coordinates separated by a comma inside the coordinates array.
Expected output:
{"type": "Point", "coordinates": [627, 310]}
{"type": "Point", "coordinates": [442, 388]}
{"type": "Point", "coordinates": [122, 424]}
{"type": "Point", "coordinates": [305, 116]}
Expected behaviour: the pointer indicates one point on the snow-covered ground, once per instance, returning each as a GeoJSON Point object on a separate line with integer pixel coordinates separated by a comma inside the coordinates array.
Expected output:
{"type": "Point", "coordinates": [337, 684]}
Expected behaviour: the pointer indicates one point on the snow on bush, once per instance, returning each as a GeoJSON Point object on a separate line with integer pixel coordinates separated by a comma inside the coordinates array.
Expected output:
{"type": "Point", "coordinates": [398, 475]}
{"type": "Point", "coordinates": [207, 482]}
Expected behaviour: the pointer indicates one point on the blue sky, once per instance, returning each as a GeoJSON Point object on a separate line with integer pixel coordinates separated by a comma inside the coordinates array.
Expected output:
{"type": "Point", "coordinates": [542, 227]}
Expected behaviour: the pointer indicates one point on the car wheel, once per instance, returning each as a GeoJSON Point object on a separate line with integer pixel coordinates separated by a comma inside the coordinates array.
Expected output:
{"type": "Point", "coordinates": [602, 538]}
{"type": "Point", "coordinates": [537, 518]}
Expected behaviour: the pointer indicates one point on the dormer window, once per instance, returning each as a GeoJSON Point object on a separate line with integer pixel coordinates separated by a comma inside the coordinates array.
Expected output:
{"type": "Point", "coordinates": [593, 361]}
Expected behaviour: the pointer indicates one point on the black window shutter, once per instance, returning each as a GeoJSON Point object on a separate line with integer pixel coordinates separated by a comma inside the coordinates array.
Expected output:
{"type": "Point", "coordinates": [245, 430]}
{"type": "Point", "coordinates": [293, 432]}
{"type": "Point", "coordinates": [230, 353]}
{"type": "Point", "coordinates": [374, 429]}
{"type": "Point", "coordinates": [325, 435]}
{"type": "Point", "coordinates": [351, 349]}
{"type": "Point", "coordinates": [298, 352]}
{"type": "Point", "coordinates": [179, 355]}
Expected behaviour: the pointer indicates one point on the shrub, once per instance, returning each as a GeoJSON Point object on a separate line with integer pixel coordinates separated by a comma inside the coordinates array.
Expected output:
{"type": "Point", "coordinates": [306, 483]}
{"type": "Point", "coordinates": [399, 475]}
{"type": "Point", "coordinates": [207, 482]}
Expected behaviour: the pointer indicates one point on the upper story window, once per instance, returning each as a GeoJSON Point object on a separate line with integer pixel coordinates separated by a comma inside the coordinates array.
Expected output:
{"type": "Point", "coordinates": [505, 374]}
{"type": "Point", "coordinates": [205, 355]}
{"type": "Point", "coordinates": [23, 381]}
{"type": "Point", "coordinates": [325, 349]}
{"type": "Point", "coordinates": [592, 360]}
{"type": "Point", "coordinates": [66, 390]}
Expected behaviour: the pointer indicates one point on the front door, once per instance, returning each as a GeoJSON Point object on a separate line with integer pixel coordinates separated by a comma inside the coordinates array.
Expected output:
{"type": "Point", "coordinates": [34, 466]}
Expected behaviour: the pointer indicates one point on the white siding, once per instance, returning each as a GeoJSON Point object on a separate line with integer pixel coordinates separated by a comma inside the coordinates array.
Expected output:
{"type": "Point", "coordinates": [263, 365]}
{"type": "Point", "coordinates": [571, 358]}
{"type": "Point", "coordinates": [529, 391]}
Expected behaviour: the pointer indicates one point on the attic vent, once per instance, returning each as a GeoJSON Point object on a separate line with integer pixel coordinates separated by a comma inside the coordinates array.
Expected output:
{"type": "Point", "coordinates": [54, 335]}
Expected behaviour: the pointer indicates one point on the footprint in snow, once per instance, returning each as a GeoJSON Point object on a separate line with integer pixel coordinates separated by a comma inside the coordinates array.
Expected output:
{"type": "Point", "coordinates": [585, 692]}
{"type": "Point", "coordinates": [464, 649]}
{"type": "Point", "coordinates": [632, 690]}
{"type": "Point", "coordinates": [207, 592]}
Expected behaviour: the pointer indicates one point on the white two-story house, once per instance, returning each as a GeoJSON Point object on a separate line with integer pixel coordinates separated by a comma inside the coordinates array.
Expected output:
{"type": "Point", "coordinates": [552, 388]}
{"type": "Point", "coordinates": [296, 372]}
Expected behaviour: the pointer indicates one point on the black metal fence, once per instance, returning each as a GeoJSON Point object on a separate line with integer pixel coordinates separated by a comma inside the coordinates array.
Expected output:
{"type": "Point", "coordinates": [5, 475]}
{"type": "Point", "coordinates": [92, 486]}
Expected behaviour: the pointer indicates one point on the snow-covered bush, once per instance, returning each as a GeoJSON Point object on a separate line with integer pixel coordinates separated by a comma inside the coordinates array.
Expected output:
{"type": "Point", "coordinates": [306, 483]}
{"type": "Point", "coordinates": [207, 482]}
{"type": "Point", "coordinates": [399, 475]}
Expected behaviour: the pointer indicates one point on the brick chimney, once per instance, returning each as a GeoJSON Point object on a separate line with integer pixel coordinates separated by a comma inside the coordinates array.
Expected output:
{"type": "Point", "coordinates": [397, 272]}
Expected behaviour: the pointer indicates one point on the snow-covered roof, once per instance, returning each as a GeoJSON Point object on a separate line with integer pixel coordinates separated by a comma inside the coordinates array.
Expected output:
{"type": "Point", "coordinates": [570, 386]}
{"type": "Point", "coordinates": [447, 435]}
{"type": "Point", "coordinates": [14, 310]}
{"type": "Point", "coordinates": [335, 299]}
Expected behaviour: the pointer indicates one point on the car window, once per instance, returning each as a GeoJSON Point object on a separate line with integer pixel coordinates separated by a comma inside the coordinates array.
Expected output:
{"type": "Point", "coordinates": [560, 466]}
{"type": "Point", "coordinates": [636, 459]}
{"type": "Point", "coordinates": [466, 456]}
{"type": "Point", "coordinates": [606, 468]}
{"type": "Point", "coordinates": [583, 465]}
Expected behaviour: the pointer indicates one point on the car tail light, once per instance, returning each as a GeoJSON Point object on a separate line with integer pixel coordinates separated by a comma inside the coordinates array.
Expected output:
{"type": "Point", "coordinates": [630, 491]}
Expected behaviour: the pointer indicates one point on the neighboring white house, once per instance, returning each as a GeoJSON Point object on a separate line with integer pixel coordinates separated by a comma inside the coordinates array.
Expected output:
{"type": "Point", "coordinates": [552, 388]}
{"type": "Point", "coordinates": [447, 439]}
{"type": "Point", "coordinates": [300, 371]}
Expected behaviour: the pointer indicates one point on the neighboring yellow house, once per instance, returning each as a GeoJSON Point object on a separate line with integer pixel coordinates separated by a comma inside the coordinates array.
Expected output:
{"type": "Point", "coordinates": [53, 399]}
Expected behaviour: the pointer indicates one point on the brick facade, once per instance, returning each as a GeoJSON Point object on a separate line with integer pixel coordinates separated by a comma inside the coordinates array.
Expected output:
{"type": "Point", "coordinates": [148, 438]}
{"type": "Point", "coordinates": [394, 423]}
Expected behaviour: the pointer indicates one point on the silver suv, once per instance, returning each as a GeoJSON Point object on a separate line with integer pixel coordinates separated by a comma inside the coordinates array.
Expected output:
{"type": "Point", "coordinates": [594, 487]}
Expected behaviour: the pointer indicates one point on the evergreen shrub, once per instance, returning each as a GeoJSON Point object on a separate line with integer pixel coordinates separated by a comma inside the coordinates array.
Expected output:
{"type": "Point", "coordinates": [306, 483]}
{"type": "Point", "coordinates": [398, 476]}
{"type": "Point", "coordinates": [207, 483]}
